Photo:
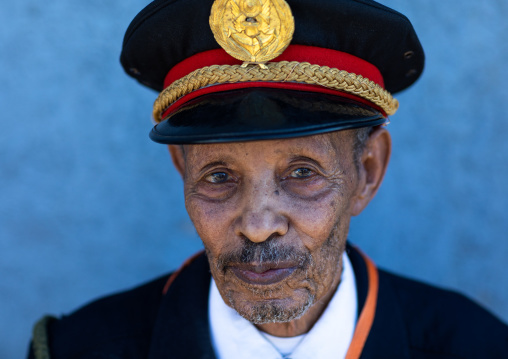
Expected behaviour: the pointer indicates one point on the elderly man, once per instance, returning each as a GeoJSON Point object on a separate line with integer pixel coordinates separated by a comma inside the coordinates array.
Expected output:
{"type": "Point", "coordinates": [274, 113]}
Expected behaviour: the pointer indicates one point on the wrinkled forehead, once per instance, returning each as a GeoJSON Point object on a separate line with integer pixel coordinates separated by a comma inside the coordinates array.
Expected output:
{"type": "Point", "coordinates": [323, 148]}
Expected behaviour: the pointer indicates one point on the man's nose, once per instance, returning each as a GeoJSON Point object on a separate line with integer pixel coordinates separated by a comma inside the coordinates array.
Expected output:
{"type": "Point", "coordinates": [262, 216]}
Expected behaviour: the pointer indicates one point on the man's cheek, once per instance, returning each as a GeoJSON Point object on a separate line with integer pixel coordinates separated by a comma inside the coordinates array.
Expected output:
{"type": "Point", "coordinates": [314, 221]}
{"type": "Point", "coordinates": [207, 217]}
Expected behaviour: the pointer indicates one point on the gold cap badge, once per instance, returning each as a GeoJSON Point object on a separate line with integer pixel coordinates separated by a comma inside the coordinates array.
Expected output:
{"type": "Point", "coordinates": [254, 31]}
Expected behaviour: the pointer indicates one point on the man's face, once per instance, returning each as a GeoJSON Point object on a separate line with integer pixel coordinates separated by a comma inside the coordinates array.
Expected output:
{"type": "Point", "coordinates": [274, 217]}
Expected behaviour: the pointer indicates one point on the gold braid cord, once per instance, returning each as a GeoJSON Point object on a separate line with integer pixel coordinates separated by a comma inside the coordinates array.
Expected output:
{"type": "Point", "coordinates": [40, 342]}
{"type": "Point", "coordinates": [284, 71]}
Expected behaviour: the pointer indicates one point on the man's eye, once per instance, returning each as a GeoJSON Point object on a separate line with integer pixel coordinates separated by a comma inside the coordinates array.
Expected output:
{"type": "Point", "coordinates": [301, 173]}
{"type": "Point", "coordinates": [217, 177]}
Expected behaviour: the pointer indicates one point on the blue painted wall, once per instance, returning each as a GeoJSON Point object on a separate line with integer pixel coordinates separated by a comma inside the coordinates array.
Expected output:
{"type": "Point", "coordinates": [88, 205]}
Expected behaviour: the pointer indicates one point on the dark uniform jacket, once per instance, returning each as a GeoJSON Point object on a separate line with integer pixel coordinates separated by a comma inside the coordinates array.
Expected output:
{"type": "Point", "coordinates": [412, 320]}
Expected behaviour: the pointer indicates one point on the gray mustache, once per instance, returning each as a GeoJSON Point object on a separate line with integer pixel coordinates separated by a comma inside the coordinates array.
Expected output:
{"type": "Point", "coordinates": [269, 251]}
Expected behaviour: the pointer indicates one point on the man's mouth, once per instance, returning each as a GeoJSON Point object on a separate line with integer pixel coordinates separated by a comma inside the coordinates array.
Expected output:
{"type": "Point", "coordinates": [263, 274]}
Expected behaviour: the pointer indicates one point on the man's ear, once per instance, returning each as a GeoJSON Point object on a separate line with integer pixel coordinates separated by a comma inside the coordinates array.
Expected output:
{"type": "Point", "coordinates": [178, 158]}
{"type": "Point", "coordinates": [372, 167]}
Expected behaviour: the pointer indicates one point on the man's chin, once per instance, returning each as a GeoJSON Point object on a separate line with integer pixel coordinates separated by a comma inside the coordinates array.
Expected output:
{"type": "Point", "coordinates": [272, 310]}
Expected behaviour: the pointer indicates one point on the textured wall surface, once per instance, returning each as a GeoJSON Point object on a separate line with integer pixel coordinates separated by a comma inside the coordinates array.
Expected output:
{"type": "Point", "coordinates": [88, 205]}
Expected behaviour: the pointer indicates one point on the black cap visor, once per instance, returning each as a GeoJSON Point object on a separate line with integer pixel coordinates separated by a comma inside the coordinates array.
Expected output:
{"type": "Point", "coordinates": [262, 114]}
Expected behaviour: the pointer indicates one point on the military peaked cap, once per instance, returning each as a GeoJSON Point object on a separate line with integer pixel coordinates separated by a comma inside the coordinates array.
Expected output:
{"type": "Point", "coordinates": [237, 70]}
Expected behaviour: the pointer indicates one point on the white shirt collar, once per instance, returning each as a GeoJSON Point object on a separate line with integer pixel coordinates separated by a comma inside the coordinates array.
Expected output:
{"type": "Point", "coordinates": [235, 337]}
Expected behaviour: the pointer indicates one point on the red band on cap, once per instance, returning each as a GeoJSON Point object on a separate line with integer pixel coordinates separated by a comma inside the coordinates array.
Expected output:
{"type": "Point", "coordinates": [278, 85]}
{"type": "Point", "coordinates": [301, 53]}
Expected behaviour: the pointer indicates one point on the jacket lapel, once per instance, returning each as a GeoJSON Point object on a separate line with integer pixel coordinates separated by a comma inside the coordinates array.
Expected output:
{"type": "Point", "coordinates": [387, 337]}
{"type": "Point", "coordinates": [181, 329]}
